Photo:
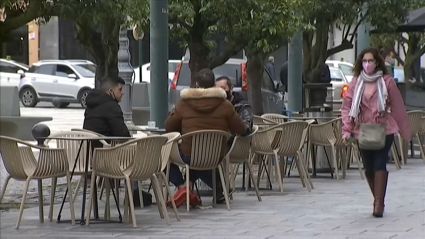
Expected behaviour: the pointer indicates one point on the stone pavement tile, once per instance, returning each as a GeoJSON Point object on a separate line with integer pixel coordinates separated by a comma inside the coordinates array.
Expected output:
{"type": "Point", "coordinates": [224, 236]}
{"type": "Point", "coordinates": [149, 236]}
{"type": "Point", "coordinates": [335, 209]}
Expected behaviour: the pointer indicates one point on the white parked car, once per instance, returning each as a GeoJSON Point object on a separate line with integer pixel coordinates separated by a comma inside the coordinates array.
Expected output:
{"type": "Point", "coordinates": [339, 87]}
{"type": "Point", "coordinates": [345, 67]}
{"type": "Point", "coordinates": [146, 71]}
{"type": "Point", "coordinates": [10, 72]}
{"type": "Point", "coordinates": [58, 81]}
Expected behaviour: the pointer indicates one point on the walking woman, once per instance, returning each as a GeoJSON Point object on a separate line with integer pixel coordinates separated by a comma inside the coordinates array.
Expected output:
{"type": "Point", "coordinates": [374, 99]}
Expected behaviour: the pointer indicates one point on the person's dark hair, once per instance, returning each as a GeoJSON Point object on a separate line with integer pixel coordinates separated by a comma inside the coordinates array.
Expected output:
{"type": "Point", "coordinates": [109, 82]}
{"type": "Point", "coordinates": [228, 82]}
{"type": "Point", "coordinates": [380, 63]}
{"type": "Point", "coordinates": [205, 78]}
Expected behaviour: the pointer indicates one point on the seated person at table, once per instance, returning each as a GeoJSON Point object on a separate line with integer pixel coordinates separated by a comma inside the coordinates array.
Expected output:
{"type": "Point", "coordinates": [202, 108]}
{"type": "Point", "coordinates": [104, 116]}
{"type": "Point", "coordinates": [240, 104]}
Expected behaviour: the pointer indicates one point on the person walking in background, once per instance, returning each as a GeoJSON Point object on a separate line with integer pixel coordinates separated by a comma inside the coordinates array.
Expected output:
{"type": "Point", "coordinates": [270, 68]}
{"type": "Point", "coordinates": [390, 62]}
{"type": "Point", "coordinates": [284, 80]}
{"type": "Point", "coordinates": [373, 97]}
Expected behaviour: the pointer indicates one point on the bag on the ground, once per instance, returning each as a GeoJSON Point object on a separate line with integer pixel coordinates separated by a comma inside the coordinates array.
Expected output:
{"type": "Point", "coordinates": [147, 198]}
{"type": "Point", "coordinates": [371, 136]}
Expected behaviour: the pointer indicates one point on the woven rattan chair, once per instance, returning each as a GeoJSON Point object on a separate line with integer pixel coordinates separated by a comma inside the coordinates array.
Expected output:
{"type": "Point", "coordinates": [148, 163]}
{"type": "Point", "coordinates": [240, 153]}
{"type": "Point", "coordinates": [207, 154]}
{"type": "Point", "coordinates": [21, 164]}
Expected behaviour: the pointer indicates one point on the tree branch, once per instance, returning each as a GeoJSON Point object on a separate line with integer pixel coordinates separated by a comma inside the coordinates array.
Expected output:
{"type": "Point", "coordinates": [34, 10]}
{"type": "Point", "coordinates": [355, 30]}
{"type": "Point", "coordinates": [397, 56]}
{"type": "Point", "coordinates": [175, 20]}
{"type": "Point", "coordinates": [418, 53]}
{"type": "Point", "coordinates": [403, 47]}
{"type": "Point", "coordinates": [348, 30]}
{"type": "Point", "coordinates": [90, 39]}
{"type": "Point", "coordinates": [345, 45]}
{"type": "Point", "coordinates": [403, 39]}
{"type": "Point", "coordinates": [219, 60]}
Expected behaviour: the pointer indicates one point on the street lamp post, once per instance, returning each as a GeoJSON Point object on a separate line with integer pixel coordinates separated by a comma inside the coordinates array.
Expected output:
{"type": "Point", "coordinates": [139, 37]}
{"type": "Point", "coordinates": [158, 95]}
{"type": "Point", "coordinates": [140, 59]}
{"type": "Point", "coordinates": [295, 71]}
{"type": "Point", "coordinates": [125, 71]}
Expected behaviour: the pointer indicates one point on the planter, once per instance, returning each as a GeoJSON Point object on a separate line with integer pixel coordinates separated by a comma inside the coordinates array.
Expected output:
{"type": "Point", "coordinates": [414, 99]}
{"type": "Point", "coordinates": [315, 94]}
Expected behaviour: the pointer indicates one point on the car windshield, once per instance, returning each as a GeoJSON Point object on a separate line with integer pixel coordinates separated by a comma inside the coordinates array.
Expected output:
{"type": "Point", "coordinates": [346, 69]}
{"type": "Point", "coordinates": [86, 70]}
{"type": "Point", "coordinates": [172, 66]}
{"type": "Point", "coordinates": [336, 75]}
{"type": "Point", "coordinates": [22, 65]}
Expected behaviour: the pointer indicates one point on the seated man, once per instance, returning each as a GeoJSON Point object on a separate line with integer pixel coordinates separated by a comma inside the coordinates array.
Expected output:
{"type": "Point", "coordinates": [104, 116]}
{"type": "Point", "coordinates": [201, 108]}
{"type": "Point", "coordinates": [241, 106]}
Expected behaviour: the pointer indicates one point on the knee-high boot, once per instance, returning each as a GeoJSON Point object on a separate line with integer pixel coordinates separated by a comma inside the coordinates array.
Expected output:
{"type": "Point", "coordinates": [380, 188]}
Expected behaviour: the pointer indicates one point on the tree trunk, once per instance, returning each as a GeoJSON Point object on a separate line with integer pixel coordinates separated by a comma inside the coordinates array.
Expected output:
{"type": "Point", "coordinates": [314, 57]}
{"type": "Point", "coordinates": [1, 47]}
{"type": "Point", "coordinates": [254, 70]}
{"type": "Point", "coordinates": [198, 58]}
{"type": "Point", "coordinates": [104, 46]}
{"type": "Point", "coordinates": [107, 60]}
{"type": "Point", "coordinates": [409, 62]}
{"type": "Point", "coordinates": [409, 71]}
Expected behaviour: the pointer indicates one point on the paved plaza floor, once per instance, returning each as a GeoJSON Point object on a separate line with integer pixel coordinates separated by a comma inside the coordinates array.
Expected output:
{"type": "Point", "coordinates": [334, 209]}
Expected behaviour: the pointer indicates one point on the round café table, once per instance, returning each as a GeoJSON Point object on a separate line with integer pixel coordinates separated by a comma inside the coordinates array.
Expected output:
{"type": "Point", "coordinates": [89, 141]}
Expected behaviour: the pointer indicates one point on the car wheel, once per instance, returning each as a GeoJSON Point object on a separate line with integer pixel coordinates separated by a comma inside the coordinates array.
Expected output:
{"type": "Point", "coordinates": [29, 97]}
{"type": "Point", "coordinates": [60, 105]}
{"type": "Point", "coordinates": [83, 96]}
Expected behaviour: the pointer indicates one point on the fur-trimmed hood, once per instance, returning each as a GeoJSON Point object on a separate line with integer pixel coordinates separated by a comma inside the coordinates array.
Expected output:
{"type": "Point", "coordinates": [198, 93]}
{"type": "Point", "coordinates": [203, 100]}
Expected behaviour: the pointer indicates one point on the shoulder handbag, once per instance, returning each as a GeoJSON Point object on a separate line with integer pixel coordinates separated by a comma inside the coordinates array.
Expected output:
{"type": "Point", "coordinates": [372, 136]}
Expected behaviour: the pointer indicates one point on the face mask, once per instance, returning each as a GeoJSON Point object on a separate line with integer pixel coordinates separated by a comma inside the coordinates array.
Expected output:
{"type": "Point", "coordinates": [228, 95]}
{"type": "Point", "coordinates": [369, 67]}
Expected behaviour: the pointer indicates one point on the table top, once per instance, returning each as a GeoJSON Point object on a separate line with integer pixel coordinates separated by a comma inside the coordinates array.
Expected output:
{"type": "Point", "coordinates": [310, 118]}
{"type": "Point", "coordinates": [296, 118]}
{"type": "Point", "coordinates": [79, 138]}
{"type": "Point", "coordinates": [266, 124]}
{"type": "Point", "coordinates": [146, 129]}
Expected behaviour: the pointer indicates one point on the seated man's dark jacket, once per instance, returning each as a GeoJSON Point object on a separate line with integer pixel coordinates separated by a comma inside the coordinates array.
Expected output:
{"type": "Point", "coordinates": [104, 115]}
{"type": "Point", "coordinates": [244, 111]}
